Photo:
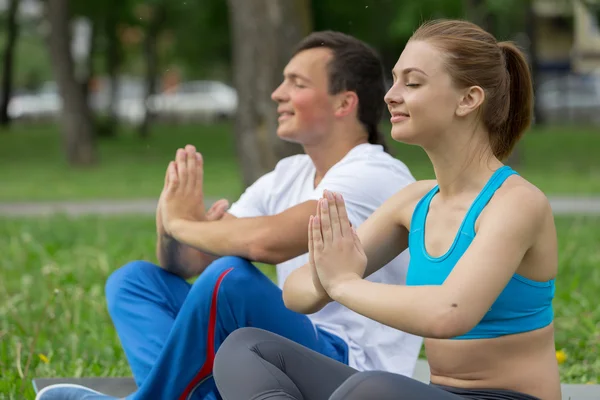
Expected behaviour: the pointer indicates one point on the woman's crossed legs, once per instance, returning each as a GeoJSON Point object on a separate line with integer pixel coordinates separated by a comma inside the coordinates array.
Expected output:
{"type": "Point", "coordinates": [253, 364]}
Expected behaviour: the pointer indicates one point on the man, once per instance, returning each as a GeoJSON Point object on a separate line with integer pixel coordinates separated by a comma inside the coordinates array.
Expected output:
{"type": "Point", "coordinates": [330, 102]}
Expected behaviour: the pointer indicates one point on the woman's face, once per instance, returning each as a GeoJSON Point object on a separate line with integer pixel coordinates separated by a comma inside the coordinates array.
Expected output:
{"type": "Point", "coordinates": [423, 100]}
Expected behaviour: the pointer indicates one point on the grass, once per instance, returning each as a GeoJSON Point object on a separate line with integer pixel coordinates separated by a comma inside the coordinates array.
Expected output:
{"type": "Point", "coordinates": [32, 167]}
{"type": "Point", "coordinates": [53, 319]}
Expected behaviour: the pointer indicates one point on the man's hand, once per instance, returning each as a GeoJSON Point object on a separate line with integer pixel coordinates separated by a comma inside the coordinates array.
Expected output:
{"type": "Point", "coordinates": [217, 210]}
{"type": "Point", "coordinates": [215, 213]}
{"type": "Point", "coordinates": [184, 197]}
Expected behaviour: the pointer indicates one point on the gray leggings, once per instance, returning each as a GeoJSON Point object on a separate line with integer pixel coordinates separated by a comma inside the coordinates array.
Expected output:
{"type": "Point", "coordinates": [253, 364]}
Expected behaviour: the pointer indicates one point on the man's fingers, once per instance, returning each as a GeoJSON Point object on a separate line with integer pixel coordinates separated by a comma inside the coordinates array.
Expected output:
{"type": "Point", "coordinates": [173, 179]}
{"type": "Point", "coordinates": [217, 210]}
{"type": "Point", "coordinates": [190, 154]}
{"type": "Point", "coordinates": [220, 204]}
{"type": "Point", "coordinates": [167, 176]}
{"type": "Point", "coordinates": [181, 160]}
{"type": "Point", "coordinates": [200, 171]}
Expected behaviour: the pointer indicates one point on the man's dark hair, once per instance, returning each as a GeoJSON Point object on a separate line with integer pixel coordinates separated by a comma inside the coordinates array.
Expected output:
{"type": "Point", "coordinates": [356, 67]}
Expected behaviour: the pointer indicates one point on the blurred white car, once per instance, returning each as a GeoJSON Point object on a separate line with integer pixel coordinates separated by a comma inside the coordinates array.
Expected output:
{"type": "Point", "coordinates": [43, 104]}
{"type": "Point", "coordinates": [129, 106]}
{"type": "Point", "coordinates": [196, 100]}
{"type": "Point", "coordinates": [571, 98]}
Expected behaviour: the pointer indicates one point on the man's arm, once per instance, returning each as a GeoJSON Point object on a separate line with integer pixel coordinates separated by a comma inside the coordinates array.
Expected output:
{"type": "Point", "coordinates": [268, 239]}
{"type": "Point", "coordinates": [181, 259]}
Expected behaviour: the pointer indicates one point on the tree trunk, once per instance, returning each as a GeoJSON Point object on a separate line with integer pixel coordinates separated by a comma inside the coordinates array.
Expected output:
{"type": "Point", "coordinates": [151, 56]}
{"type": "Point", "coordinates": [112, 61]}
{"type": "Point", "coordinates": [531, 28]}
{"type": "Point", "coordinates": [264, 33]}
{"type": "Point", "coordinates": [12, 32]}
{"type": "Point", "coordinates": [78, 129]}
{"type": "Point", "coordinates": [87, 73]}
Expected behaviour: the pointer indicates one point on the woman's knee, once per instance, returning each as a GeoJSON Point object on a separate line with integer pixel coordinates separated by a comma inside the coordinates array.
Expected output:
{"type": "Point", "coordinates": [369, 384]}
{"type": "Point", "coordinates": [242, 340]}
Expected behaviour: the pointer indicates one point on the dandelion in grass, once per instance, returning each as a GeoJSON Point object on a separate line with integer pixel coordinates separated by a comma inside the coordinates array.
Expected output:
{"type": "Point", "coordinates": [561, 356]}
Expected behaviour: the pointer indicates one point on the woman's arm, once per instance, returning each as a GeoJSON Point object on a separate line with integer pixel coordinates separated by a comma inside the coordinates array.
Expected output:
{"type": "Point", "coordinates": [507, 232]}
{"type": "Point", "coordinates": [383, 237]}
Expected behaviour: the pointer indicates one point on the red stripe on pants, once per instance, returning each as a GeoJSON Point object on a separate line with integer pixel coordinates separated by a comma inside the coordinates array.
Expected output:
{"type": "Point", "coordinates": [207, 368]}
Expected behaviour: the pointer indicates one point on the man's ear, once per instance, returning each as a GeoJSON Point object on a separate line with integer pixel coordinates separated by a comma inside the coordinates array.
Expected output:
{"type": "Point", "coordinates": [346, 103]}
{"type": "Point", "coordinates": [471, 100]}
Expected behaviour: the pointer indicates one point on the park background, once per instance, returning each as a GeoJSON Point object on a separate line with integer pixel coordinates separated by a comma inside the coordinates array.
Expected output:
{"type": "Point", "coordinates": [96, 96]}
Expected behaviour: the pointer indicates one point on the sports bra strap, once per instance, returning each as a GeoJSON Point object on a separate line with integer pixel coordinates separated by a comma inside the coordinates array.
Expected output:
{"type": "Point", "coordinates": [485, 196]}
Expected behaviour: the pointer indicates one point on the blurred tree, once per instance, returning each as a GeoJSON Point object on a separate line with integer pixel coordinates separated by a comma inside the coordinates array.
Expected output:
{"type": "Point", "coordinates": [201, 39]}
{"type": "Point", "coordinates": [117, 12]}
{"type": "Point", "coordinates": [530, 29]}
{"type": "Point", "coordinates": [12, 32]}
{"type": "Point", "coordinates": [264, 33]}
{"type": "Point", "coordinates": [368, 20]}
{"type": "Point", "coordinates": [102, 19]}
{"type": "Point", "coordinates": [382, 23]}
{"type": "Point", "coordinates": [78, 129]}
{"type": "Point", "coordinates": [155, 15]}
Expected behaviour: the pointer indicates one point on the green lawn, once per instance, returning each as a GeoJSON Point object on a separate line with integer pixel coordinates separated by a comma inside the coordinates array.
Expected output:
{"type": "Point", "coordinates": [32, 167]}
{"type": "Point", "coordinates": [53, 307]}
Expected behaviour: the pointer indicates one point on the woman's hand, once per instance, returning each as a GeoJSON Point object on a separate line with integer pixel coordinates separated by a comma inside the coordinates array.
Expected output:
{"type": "Point", "coordinates": [335, 249]}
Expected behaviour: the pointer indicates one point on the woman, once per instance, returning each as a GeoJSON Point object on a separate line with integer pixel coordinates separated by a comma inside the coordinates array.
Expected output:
{"type": "Point", "coordinates": [482, 242]}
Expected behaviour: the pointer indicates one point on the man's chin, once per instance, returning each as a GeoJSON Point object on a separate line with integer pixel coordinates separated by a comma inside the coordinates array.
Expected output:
{"type": "Point", "coordinates": [288, 136]}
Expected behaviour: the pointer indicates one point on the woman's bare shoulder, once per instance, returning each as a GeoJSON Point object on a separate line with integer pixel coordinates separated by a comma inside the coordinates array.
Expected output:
{"type": "Point", "coordinates": [403, 203]}
{"type": "Point", "coordinates": [414, 191]}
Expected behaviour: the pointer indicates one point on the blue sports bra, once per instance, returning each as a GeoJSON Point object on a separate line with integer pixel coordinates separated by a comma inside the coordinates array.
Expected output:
{"type": "Point", "coordinates": [524, 305]}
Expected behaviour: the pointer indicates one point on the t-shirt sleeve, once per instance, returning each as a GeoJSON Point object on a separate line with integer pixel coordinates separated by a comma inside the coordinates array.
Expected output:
{"type": "Point", "coordinates": [254, 201]}
{"type": "Point", "coordinates": [365, 186]}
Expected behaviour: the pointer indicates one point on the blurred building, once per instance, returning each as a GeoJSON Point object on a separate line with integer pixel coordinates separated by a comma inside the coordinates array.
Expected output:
{"type": "Point", "coordinates": [568, 35]}
{"type": "Point", "coordinates": [567, 38]}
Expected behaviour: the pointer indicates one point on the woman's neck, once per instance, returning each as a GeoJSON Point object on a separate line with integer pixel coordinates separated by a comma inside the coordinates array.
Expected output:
{"type": "Point", "coordinates": [463, 166]}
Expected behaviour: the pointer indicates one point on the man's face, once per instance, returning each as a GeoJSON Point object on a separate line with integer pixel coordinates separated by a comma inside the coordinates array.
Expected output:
{"type": "Point", "coordinates": [305, 108]}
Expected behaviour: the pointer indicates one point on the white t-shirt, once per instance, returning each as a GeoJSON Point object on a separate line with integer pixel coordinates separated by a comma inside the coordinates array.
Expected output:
{"type": "Point", "coordinates": [366, 177]}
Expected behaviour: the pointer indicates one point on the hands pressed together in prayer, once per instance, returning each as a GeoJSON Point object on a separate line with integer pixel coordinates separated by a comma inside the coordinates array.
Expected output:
{"type": "Point", "coordinates": [182, 197]}
{"type": "Point", "coordinates": [335, 251]}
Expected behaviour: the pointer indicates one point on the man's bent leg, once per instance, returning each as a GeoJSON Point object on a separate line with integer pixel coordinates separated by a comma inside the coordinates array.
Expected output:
{"type": "Point", "coordinates": [143, 302]}
{"type": "Point", "coordinates": [231, 293]}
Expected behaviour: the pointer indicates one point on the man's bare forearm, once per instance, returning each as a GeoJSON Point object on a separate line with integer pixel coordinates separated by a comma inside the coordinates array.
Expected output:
{"type": "Point", "coordinates": [261, 239]}
{"type": "Point", "coordinates": [180, 259]}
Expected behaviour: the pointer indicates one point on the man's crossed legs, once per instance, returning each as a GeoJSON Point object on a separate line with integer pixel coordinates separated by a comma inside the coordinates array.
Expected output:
{"type": "Point", "coordinates": [170, 329]}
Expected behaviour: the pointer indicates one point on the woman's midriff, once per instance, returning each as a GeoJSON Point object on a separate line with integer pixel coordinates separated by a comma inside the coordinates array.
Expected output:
{"type": "Point", "coordinates": [524, 362]}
